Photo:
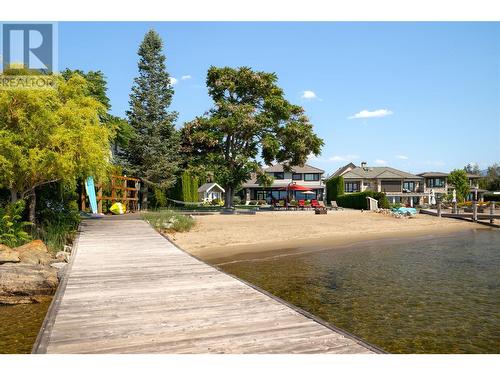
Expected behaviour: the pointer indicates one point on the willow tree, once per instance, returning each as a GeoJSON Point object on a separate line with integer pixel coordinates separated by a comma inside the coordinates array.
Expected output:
{"type": "Point", "coordinates": [50, 135]}
{"type": "Point", "coordinates": [251, 121]}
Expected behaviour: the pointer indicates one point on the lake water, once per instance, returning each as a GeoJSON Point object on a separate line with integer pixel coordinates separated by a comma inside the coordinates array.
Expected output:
{"type": "Point", "coordinates": [19, 326]}
{"type": "Point", "coordinates": [433, 295]}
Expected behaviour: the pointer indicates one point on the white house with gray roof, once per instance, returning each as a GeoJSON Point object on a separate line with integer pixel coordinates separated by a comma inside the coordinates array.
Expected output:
{"type": "Point", "coordinates": [306, 176]}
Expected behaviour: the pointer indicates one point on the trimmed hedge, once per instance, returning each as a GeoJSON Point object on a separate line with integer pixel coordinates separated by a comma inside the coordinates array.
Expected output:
{"type": "Point", "coordinates": [334, 188]}
{"type": "Point", "coordinates": [359, 201]}
{"type": "Point", "coordinates": [491, 197]}
{"type": "Point", "coordinates": [185, 188]}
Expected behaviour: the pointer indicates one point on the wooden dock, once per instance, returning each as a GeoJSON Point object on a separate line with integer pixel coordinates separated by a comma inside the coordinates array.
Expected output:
{"type": "Point", "coordinates": [480, 218]}
{"type": "Point", "coordinates": [129, 290]}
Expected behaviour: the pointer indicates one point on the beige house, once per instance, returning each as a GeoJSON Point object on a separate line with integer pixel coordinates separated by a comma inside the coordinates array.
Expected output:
{"type": "Point", "coordinates": [306, 176]}
{"type": "Point", "coordinates": [438, 182]}
{"type": "Point", "coordinates": [399, 186]}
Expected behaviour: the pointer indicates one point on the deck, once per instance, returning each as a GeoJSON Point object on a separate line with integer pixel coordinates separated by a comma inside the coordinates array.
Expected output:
{"type": "Point", "coordinates": [129, 290]}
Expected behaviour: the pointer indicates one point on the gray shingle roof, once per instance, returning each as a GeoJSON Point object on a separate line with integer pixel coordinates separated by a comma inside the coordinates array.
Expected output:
{"type": "Point", "coordinates": [442, 174]}
{"type": "Point", "coordinates": [209, 186]}
{"type": "Point", "coordinates": [433, 174]}
{"type": "Point", "coordinates": [379, 172]}
{"type": "Point", "coordinates": [297, 169]}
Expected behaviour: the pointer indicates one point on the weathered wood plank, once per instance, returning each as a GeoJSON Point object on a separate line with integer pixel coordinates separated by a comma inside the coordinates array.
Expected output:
{"type": "Point", "coordinates": [129, 290]}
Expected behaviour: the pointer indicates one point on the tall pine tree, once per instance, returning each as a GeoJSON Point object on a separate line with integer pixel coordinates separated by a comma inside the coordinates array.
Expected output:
{"type": "Point", "coordinates": [153, 152]}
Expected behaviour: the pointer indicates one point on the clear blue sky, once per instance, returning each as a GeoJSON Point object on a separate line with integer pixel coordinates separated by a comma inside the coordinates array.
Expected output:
{"type": "Point", "coordinates": [431, 91]}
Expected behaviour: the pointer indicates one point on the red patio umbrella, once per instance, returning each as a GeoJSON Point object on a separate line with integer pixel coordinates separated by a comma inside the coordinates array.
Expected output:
{"type": "Point", "coordinates": [294, 187]}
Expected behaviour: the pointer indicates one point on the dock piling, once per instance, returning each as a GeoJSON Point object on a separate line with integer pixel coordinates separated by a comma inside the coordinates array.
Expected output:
{"type": "Point", "coordinates": [474, 211]}
{"type": "Point", "coordinates": [492, 212]}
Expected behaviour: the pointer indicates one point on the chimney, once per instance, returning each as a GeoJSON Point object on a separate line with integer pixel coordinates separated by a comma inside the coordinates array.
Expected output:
{"type": "Point", "coordinates": [363, 165]}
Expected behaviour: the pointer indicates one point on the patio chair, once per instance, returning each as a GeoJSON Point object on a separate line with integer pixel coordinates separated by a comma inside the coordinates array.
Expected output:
{"type": "Point", "coordinates": [302, 204]}
{"type": "Point", "coordinates": [314, 203]}
{"type": "Point", "coordinates": [335, 206]}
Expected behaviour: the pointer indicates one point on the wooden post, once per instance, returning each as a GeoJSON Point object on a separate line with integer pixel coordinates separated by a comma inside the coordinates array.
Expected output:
{"type": "Point", "coordinates": [112, 190]}
{"type": "Point", "coordinates": [492, 212]}
{"type": "Point", "coordinates": [455, 207]}
{"type": "Point", "coordinates": [99, 199]}
{"type": "Point", "coordinates": [124, 195]}
{"type": "Point", "coordinates": [82, 197]}
{"type": "Point", "coordinates": [439, 209]}
{"type": "Point", "coordinates": [474, 211]}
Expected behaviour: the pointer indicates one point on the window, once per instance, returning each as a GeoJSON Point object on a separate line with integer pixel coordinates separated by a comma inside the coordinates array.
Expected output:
{"type": "Point", "coordinates": [311, 176]}
{"type": "Point", "coordinates": [409, 186]}
{"type": "Point", "coordinates": [351, 187]}
{"type": "Point", "coordinates": [435, 182]}
{"type": "Point", "coordinates": [297, 176]}
{"type": "Point", "coordinates": [279, 175]}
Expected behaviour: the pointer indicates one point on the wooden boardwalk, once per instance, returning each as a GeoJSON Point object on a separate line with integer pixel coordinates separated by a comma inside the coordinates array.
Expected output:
{"type": "Point", "coordinates": [129, 290]}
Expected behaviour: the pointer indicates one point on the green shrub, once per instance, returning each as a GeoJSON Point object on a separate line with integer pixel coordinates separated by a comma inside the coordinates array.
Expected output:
{"type": "Point", "coordinates": [358, 200]}
{"type": "Point", "coordinates": [168, 220]}
{"type": "Point", "coordinates": [334, 188]}
{"type": "Point", "coordinates": [252, 203]}
{"type": "Point", "coordinates": [236, 200]}
{"type": "Point", "coordinates": [217, 202]}
{"type": "Point", "coordinates": [12, 226]}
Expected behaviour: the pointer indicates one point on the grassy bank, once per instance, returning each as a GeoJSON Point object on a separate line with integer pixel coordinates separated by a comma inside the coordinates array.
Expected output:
{"type": "Point", "coordinates": [169, 221]}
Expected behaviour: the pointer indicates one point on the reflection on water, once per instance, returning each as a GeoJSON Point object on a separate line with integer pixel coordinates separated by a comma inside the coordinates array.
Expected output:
{"type": "Point", "coordinates": [438, 295]}
{"type": "Point", "coordinates": [19, 326]}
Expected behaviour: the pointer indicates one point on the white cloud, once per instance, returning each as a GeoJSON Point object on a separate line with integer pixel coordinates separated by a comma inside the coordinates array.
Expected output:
{"type": "Point", "coordinates": [173, 80]}
{"type": "Point", "coordinates": [348, 157]}
{"type": "Point", "coordinates": [402, 157]}
{"type": "Point", "coordinates": [187, 76]}
{"type": "Point", "coordinates": [380, 162]}
{"type": "Point", "coordinates": [309, 95]}
{"type": "Point", "coordinates": [371, 114]}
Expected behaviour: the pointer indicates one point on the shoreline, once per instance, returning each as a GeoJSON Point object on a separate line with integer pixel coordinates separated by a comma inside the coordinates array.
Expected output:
{"type": "Point", "coordinates": [221, 239]}
{"type": "Point", "coordinates": [280, 249]}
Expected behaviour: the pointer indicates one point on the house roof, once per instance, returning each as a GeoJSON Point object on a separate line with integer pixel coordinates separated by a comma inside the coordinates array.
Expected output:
{"type": "Point", "coordinates": [342, 170]}
{"type": "Point", "coordinates": [209, 186]}
{"type": "Point", "coordinates": [433, 174]}
{"type": "Point", "coordinates": [441, 174]}
{"type": "Point", "coordinates": [379, 172]}
{"type": "Point", "coordinates": [306, 168]}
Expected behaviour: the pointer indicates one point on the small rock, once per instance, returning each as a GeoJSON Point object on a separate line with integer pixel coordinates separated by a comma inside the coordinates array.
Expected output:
{"type": "Point", "coordinates": [62, 256]}
{"type": "Point", "coordinates": [34, 252]}
{"type": "Point", "coordinates": [58, 265]}
{"type": "Point", "coordinates": [8, 255]}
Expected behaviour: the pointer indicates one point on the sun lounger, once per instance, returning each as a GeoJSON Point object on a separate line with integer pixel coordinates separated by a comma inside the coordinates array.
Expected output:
{"type": "Point", "coordinates": [335, 206]}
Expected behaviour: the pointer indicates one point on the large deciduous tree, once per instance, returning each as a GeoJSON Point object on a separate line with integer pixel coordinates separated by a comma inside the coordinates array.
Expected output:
{"type": "Point", "coordinates": [250, 120]}
{"type": "Point", "coordinates": [492, 180]}
{"type": "Point", "coordinates": [153, 151]}
{"type": "Point", "coordinates": [50, 135]}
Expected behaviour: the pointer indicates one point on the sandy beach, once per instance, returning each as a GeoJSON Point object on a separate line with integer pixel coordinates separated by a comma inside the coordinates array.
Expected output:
{"type": "Point", "coordinates": [222, 238]}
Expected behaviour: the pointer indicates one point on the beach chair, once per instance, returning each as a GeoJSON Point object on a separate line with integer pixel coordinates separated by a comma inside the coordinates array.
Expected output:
{"type": "Point", "coordinates": [335, 206]}
{"type": "Point", "coordinates": [302, 204]}
{"type": "Point", "coordinates": [314, 203]}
